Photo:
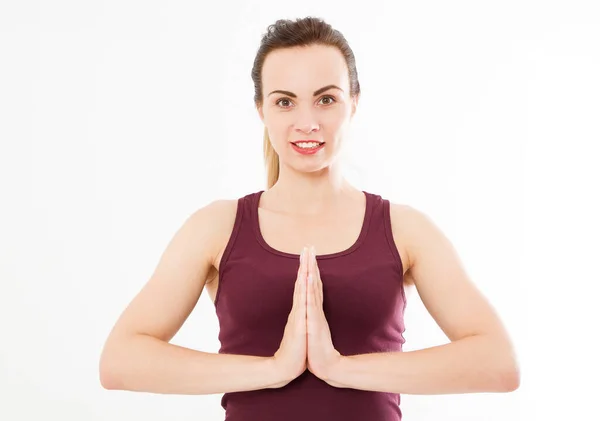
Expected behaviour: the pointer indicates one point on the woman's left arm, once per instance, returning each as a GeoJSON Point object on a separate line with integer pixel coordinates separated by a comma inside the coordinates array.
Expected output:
{"type": "Point", "coordinates": [480, 356]}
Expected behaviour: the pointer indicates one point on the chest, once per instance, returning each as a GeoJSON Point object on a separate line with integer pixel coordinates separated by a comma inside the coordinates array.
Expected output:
{"type": "Point", "coordinates": [329, 234]}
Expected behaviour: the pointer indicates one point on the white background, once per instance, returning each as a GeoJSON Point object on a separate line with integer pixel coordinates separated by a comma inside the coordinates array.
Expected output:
{"type": "Point", "coordinates": [118, 119]}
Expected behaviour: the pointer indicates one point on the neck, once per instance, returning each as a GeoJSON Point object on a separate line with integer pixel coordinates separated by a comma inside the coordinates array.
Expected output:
{"type": "Point", "coordinates": [309, 193]}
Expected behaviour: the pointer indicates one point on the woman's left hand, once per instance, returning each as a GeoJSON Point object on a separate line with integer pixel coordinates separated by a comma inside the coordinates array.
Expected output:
{"type": "Point", "coordinates": [322, 356]}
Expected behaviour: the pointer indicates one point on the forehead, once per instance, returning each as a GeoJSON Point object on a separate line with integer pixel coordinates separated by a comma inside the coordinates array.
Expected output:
{"type": "Point", "coordinates": [302, 70]}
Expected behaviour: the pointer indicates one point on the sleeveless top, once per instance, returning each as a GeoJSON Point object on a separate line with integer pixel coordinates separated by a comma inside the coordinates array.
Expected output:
{"type": "Point", "coordinates": [364, 302]}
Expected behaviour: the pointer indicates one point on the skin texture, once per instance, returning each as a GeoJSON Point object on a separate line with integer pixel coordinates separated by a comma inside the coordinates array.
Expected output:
{"type": "Point", "coordinates": [480, 356]}
{"type": "Point", "coordinates": [321, 354]}
{"type": "Point", "coordinates": [312, 193]}
{"type": "Point", "coordinates": [307, 184]}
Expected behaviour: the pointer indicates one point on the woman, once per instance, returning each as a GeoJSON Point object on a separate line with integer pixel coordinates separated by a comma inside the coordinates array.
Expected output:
{"type": "Point", "coordinates": [305, 337]}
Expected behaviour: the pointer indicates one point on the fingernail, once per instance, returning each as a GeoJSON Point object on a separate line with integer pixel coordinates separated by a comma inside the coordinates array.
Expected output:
{"type": "Point", "coordinates": [302, 254]}
{"type": "Point", "coordinates": [310, 278]}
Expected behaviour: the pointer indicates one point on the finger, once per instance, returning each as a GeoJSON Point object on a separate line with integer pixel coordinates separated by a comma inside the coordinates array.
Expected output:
{"type": "Point", "coordinates": [304, 269]}
{"type": "Point", "coordinates": [311, 320]}
{"type": "Point", "coordinates": [309, 301]}
{"type": "Point", "coordinates": [305, 262]}
{"type": "Point", "coordinates": [311, 264]}
{"type": "Point", "coordinates": [301, 267]}
{"type": "Point", "coordinates": [315, 274]}
{"type": "Point", "coordinates": [298, 284]}
{"type": "Point", "coordinates": [319, 283]}
{"type": "Point", "coordinates": [310, 293]}
{"type": "Point", "coordinates": [302, 307]}
{"type": "Point", "coordinates": [295, 300]}
{"type": "Point", "coordinates": [303, 281]}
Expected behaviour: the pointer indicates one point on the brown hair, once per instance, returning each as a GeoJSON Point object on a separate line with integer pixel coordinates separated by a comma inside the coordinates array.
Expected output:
{"type": "Point", "coordinates": [304, 32]}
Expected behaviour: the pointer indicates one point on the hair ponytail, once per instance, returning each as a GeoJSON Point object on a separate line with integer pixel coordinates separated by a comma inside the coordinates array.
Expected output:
{"type": "Point", "coordinates": [271, 161]}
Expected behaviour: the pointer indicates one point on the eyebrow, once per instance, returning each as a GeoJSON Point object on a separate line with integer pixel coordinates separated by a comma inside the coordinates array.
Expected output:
{"type": "Point", "coordinates": [317, 92]}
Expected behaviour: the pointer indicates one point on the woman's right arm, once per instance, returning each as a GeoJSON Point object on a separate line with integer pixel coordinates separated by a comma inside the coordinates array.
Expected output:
{"type": "Point", "coordinates": [137, 355]}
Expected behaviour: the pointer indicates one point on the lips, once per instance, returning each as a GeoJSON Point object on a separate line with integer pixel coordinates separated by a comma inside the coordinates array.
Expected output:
{"type": "Point", "coordinates": [309, 150]}
{"type": "Point", "coordinates": [307, 141]}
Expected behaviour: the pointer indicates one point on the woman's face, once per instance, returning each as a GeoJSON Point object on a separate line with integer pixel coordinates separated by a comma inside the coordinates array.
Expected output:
{"type": "Point", "coordinates": [301, 101]}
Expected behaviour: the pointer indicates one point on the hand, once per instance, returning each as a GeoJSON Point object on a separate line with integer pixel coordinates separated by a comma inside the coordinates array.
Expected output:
{"type": "Point", "coordinates": [322, 356]}
{"type": "Point", "coordinates": [291, 357]}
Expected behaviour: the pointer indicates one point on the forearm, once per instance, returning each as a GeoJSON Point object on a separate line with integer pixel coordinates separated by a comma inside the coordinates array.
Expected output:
{"type": "Point", "coordinates": [147, 364]}
{"type": "Point", "coordinates": [473, 364]}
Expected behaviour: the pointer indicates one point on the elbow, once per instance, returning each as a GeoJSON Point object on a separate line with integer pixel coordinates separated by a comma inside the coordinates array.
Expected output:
{"type": "Point", "coordinates": [107, 375]}
{"type": "Point", "coordinates": [507, 372]}
{"type": "Point", "coordinates": [510, 380]}
{"type": "Point", "coordinates": [108, 370]}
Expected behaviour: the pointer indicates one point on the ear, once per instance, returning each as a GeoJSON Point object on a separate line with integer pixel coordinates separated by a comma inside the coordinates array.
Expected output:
{"type": "Point", "coordinates": [354, 105]}
{"type": "Point", "coordinates": [260, 113]}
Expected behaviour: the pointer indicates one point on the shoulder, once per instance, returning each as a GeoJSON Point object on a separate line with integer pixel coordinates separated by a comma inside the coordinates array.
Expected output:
{"type": "Point", "coordinates": [405, 216]}
{"type": "Point", "coordinates": [214, 214]}
{"type": "Point", "coordinates": [410, 227]}
{"type": "Point", "coordinates": [420, 234]}
{"type": "Point", "coordinates": [213, 222]}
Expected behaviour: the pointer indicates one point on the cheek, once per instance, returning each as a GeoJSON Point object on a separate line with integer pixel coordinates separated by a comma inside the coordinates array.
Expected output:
{"type": "Point", "coordinates": [280, 121]}
{"type": "Point", "coordinates": [276, 125]}
{"type": "Point", "coordinates": [336, 119]}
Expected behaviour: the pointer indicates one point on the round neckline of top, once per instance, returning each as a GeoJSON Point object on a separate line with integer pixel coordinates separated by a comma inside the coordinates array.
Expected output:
{"type": "Point", "coordinates": [363, 231]}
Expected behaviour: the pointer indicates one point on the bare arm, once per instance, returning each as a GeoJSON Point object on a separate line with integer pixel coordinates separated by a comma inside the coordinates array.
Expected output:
{"type": "Point", "coordinates": [137, 355]}
{"type": "Point", "coordinates": [480, 357]}
{"type": "Point", "coordinates": [146, 364]}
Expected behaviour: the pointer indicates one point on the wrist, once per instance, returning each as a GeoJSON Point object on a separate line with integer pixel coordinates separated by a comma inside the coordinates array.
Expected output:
{"type": "Point", "coordinates": [334, 373]}
{"type": "Point", "coordinates": [278, 377]}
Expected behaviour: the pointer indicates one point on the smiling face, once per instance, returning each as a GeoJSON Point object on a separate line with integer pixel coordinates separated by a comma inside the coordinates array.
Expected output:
{"type": "Point", "coordinates": [306, 96]}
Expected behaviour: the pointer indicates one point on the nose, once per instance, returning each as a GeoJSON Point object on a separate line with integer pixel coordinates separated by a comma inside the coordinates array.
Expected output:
{"type": "Point", "coordinates": [306, 122]}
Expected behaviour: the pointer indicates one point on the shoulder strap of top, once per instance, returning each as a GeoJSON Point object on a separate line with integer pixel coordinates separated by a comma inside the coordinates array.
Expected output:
{"type": "Point", "coordinates": [387, 224]}
{"type": "Point", "coordinates": [243, 222]}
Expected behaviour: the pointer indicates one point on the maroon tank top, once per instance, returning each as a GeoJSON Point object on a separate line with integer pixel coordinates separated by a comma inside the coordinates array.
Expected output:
{"type": "Point", "coordinates": [364, 302]}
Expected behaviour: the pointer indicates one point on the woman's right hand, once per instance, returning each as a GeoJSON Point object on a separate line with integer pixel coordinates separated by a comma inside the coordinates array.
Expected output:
{"type": "Point", "coordinates": [291, 357]}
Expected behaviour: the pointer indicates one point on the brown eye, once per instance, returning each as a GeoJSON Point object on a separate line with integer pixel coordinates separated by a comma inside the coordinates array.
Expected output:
{"type": "Point", "coordinates": [332, 99]}
{"type": "Point", "coordinates": [281, 101]}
